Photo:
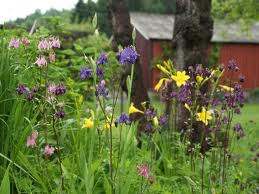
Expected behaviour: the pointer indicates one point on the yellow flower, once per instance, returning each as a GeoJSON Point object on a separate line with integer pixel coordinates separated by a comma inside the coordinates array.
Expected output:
{"type": "Point", "coordinates": [133, 109]}
{"type": "Point", "coordinates": [204, 116]}
{"type": "Point", "coordinates": [226, 88]}
{"type": "Point", "coordinates": [180, 78]}
{"type": "Point", "coordinates": [88, 123]}
{"type": "Point", "coordinates": [107, 124]}
{"type": "Point", "coordinates": [155, 121]}
{"type": "Point", "coordinates": [159, 84]}
{"type": "Point", "coordinates": [187, 107]}
{"type": "Point", "coordinates": [199, 79]}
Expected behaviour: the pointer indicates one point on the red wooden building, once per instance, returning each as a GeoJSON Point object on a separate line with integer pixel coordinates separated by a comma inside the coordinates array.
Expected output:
{"type": "Point", "coordinates": [155, 30]}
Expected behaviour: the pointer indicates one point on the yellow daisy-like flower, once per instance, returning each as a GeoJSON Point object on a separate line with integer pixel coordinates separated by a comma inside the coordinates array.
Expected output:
{"type": "Point", "coordinates": [160, 83]}
{"type": "Point", "coordinates": [133, 109]}
{"type": "Point", "coordinates": [180, 78]}
{"type": "Point", "coordinates": [88, 123]}
{"type": "Point", "coordinates": [199, 79]}
{"type": "Point", "coordinates": [204, 116]}
{"type": "Point", "coordinates": [226, 88]}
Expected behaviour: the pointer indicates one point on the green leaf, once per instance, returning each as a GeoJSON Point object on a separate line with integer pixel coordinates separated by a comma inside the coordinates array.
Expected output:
{"type": "Point", "coordinates": [134, 35]}
{"type": "Point", "coordinates": [5, 184]}
{"type": "Point", "coordinates": [78, 47]}
{"type": "Point", "coordinates": [94, 21]}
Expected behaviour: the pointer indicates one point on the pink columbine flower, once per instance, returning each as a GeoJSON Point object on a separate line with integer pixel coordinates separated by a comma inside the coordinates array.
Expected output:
{"type": "Point", "coordinates": [44, 45]}
{"type": "Point", "coordinates": [52, 57]}
{"type": "Point", "coordinates": [48, 150]}
{"type": "Point", "coordinates": [54, 42]}
{"type": "Point", "coordinates": [25, 41]}
{"type": "Point", "coordinates": [15, 43]}
{"type": "Point", "coordinates": [41, 61]}
{"type": "Point", "coordinates": [52, 88]}
{"type": "Point", "coordinates": [143, 170]}
{"type": "Point", "coordinates": [31, 140]}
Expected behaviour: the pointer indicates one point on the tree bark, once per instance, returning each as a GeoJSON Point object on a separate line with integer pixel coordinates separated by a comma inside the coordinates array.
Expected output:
{"type": "Point", "coordinates": [193, 30]}
{"type": "Point", "coordinates": [122, 35]}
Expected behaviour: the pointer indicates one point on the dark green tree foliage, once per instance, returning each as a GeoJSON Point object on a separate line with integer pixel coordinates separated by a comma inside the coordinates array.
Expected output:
{"type": "Point", "coordinates": [103, 15]}
{"type": "Point", "coordinates": [79, 12]}
{"type": "Point", "coordinates": [152, 6]}
{"type": "Point", "coordinates": [83, 11]}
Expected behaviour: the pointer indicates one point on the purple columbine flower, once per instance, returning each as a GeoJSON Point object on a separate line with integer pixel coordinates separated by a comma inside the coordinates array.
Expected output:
{"type": "Point", "coordinates": [215, 102]}
{"type": "Point", "coordinates": [57, 90]}
{"type": "Point", "coordinates": [101, 89]}
{"type": "Point", "coordinates": [163, 119]}
{"type": "Point", "coordinates": [52, 88]}
{"type": "Point", "coordinates": [22, 89]}
{"type": "Point", "coordinates": [99, 73]}
{"type": "Point", "coordinates": [123, 119]}
{"type": "Point", "coordinates": [30, 95]}
{"type": "Point", "coordinates": [102, 59]}
{"type": "Point", "coordinates": [150, 113]}
{"type": "Point", "coordinates": [237, 111]}
{"type": "Point", "coordinates": [60, 89]}
{"type": "Point", "coordinates": [184, 94]}
{"type": "Point", "coordinates": [201, 71]}
{"type": "Point", "coordinates": [239, 130]}
{"type": "Point", "coordinates": [241, 78]}
{"type": "Point", "coordinates": [225, 120]}
{"type": "Point", "coordinates": [85, 73]}
{"type": "Point", "coordinates": [148, 128]}
{"type": "Point", "coordinates": [128, 56]}
{"type": "Point", "coordinates": [60, 114]}
{"type": "Point", "coordinates": [41, 61]}
{"type": "Point", "coordinates": [236, 97]}
{"type": "Point", "coordinates": [14, 43]}
{"type": "Point", "coordinates": [232, 65]}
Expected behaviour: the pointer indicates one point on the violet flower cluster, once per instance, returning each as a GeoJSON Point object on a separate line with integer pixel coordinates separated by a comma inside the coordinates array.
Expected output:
{"type": "Point", "coordinates": [127, 56]}
{"type": "Point", "coordinates": [26, 91]}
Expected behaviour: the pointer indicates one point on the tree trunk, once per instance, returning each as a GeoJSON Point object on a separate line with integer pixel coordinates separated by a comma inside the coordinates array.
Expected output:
{"type": "Point", "coordinates": [193, 29]}
{"type": "Point", "coordinates": [122, 35]}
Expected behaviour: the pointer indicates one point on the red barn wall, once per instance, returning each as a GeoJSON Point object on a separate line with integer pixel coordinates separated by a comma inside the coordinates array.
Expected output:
{"type": "Point", "coordinates": [247, 58]}
{"type": "Point", "coordinates": [245, 54]}
{"type": "Point", "coordinates": [156, 52]}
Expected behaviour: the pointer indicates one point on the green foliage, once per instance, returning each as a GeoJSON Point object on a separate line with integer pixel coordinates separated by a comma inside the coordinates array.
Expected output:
{"type": "Point", "coordinates": [28, 21]}
{"type": "Point", "coordinates": [83, 11]}
{"type": "Point", "coordinates": [214, 54]}
{"type": "Point", "coordinates": [235, 10]}
{"type": "Point", "coordinates": [5, 183]}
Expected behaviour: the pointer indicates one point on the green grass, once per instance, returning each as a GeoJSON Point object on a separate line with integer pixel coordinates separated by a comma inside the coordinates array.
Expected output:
{"type": "Point", "coordinates": [249, 116]}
